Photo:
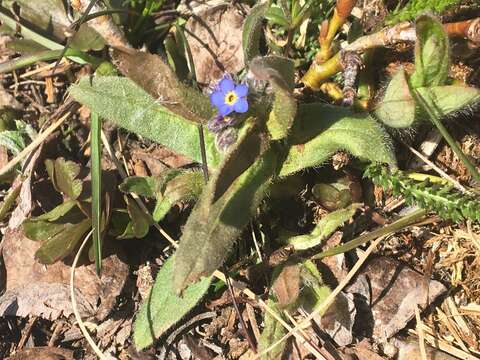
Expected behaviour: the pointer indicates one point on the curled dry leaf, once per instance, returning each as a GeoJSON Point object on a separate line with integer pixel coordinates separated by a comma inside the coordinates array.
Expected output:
{"type": "Point", "coordinates": [215, 40]}
{"type": "Point", "coordinates": [35, 289]}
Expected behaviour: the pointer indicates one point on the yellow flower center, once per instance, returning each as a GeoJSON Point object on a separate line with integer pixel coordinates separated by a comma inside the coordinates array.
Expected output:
{"type": "Point", "coordinates": [230, 98]}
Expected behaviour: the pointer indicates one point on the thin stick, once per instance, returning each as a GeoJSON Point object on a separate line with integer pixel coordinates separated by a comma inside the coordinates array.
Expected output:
{"type": "Point", "coordinates": [33, 145]}
{"type": "Point", "coordinates": [203, 152]}
{"type": "Point", "coordinates": [252, 345]}
{"type": "Point", "coordinates": [74, 301]}
{"type": "Point", "coordinates": [421, 334]}
{"type": "Point", "coordinates": [439, 171]}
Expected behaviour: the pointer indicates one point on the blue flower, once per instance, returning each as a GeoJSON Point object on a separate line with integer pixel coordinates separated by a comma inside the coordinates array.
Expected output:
{"type": "Point", "coordinates": [228, 97]}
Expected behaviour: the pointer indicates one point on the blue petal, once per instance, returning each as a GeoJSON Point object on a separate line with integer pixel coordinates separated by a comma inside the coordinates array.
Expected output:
{"type": "Point", "coordinates": [225, 109]}
{"type": "Point", "coordinates": [217, 98]}
{"type": "Point", "coordinates": [226, 85]}
{"type": "Point", "coordinates": [241, 105]}
{"type": "Point", "coordinates": [241, 90]}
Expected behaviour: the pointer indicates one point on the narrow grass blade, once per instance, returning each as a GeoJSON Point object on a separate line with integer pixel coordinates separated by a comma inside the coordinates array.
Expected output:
{"type": "Point", "coordinates": [96, 171]}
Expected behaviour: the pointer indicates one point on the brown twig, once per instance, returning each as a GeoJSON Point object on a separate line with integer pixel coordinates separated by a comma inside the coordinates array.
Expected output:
{"type": "Point", "coordinates": [467, 29]}
{"type": "Point", "coordinates": [251, 344]}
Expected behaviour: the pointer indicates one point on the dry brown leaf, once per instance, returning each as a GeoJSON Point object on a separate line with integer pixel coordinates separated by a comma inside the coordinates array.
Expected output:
{"type": "Point", "coordinates": [215, 40]}
{"type": "Point", "coordinates": [43, 353]}
{"type": "Point", "coordinates": [158, 159]}
{"type": "Point", "coordinates": [338, 320]}
{"type": "Point", "coordinates": [287, 285]}
{"type": "Point", "coordinates": [391, 291]}
{"type": "Point", "coordinates": [35, 289]}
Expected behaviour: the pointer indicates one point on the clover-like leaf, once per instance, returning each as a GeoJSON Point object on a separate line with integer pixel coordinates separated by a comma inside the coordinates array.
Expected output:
{"type": "Point", "coordinates": [123, 102]}
{"type": "Point", "coordinates": [140, 185]}
{"type": "Point", "coordinates": [432, 56]}
{"type": "Point", "coordinates": [397, 108]}
{"type": "Point", "coordinates": [253, 31]}
{"type": "Point", "coordinates": [138, 224]}
{"type": "Point", "coordinates": [225, 207]}
{"type": "Point", "coordinates": [186, 186]}
{"type": "Point", "coordinates": [163, 308]}
{"type": "Point", "coordinates": [63, 243]}
{"type": "Point", "coordinates": [324, 228]}
{"type": "Point", "coordinates": [321, 130]}
{"type": "Point", "coordinates": [63, 174]}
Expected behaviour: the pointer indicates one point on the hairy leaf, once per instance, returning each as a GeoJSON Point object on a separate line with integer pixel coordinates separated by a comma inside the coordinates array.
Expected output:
{"type": "Point", "coordinates": [449, 99]}
{"type": "Point", "coordinates": [447, 202]}
{"type": "Point", "coordinates": [63, 243]}
{"type": "Point", "coordinates": [280, 73]}
{"type": "Point", "coordinates": [225, 207]}
{"type": "Point", "coordinates": [162, 83]}
{"type": "Point", "coordinates": [325, 227]}
{"type": "Point", "coordinates": [121, 101]}
{"type": "Point", "coordinates": [320, 130]}
{"type": "Point", "coordinates": [272, 332]}
{"type": "Point", "coordinates": [431, 53]}
{"type": "Point", "coordinates": [397, 108]}
{"type": "Point", "coordinates": [253, 31]}
{"type": "Point", "coordinates": [314, 291]}
{"type": "Point", "coordinates": [163, 308]}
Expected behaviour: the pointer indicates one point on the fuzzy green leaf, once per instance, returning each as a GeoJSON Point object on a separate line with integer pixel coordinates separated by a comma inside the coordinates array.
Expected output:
{"type": "Point", "coordinates": [449, 99]}
{"type": "Point", "coordinates": [314, 292]}
{"type": "Point", "coordinates": [253, 31]}
{"type": "Point", "coordinates": [431, 53]}
{"type": "Point", "coordinates": [163, 84]}
{"type": "Point", "coordinates": [272, 332]}
{"type": "Point", "coordinates": [225, 207]}
{"type": "Point", "coordinates": [121, 101]}
{"type": "Point", "coordinates": [63, 243]}
{"type": "Point", "coordinates": [140, 185]}
{"type": "Point", "coordinates": [163, 308]}
{"type": "Point", "coordinates": [397, 108]}
{"type": "Point", "coordinates": [325, 227]}
{"type": "Point", "coordinates": [280, 73]}
{"type": "Point", "coordinates": [321, 130]}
